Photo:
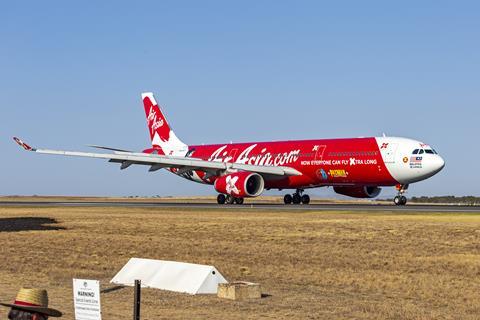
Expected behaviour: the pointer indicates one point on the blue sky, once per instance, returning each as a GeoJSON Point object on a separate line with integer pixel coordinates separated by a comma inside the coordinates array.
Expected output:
{"type": "Point", "coordinates": [71, 74]}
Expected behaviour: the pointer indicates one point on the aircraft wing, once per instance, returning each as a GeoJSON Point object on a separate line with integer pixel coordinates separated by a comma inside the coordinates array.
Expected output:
{"type": "Point", "coordinates": [157, 162]}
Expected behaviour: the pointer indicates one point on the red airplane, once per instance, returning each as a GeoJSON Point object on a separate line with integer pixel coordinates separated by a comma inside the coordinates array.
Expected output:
{"type": "Point", "coordinates": [356, 167]}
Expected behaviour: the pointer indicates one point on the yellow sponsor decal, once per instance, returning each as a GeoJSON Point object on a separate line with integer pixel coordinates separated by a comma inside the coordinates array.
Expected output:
{"type": "Point", "coordinates": [338, 173]}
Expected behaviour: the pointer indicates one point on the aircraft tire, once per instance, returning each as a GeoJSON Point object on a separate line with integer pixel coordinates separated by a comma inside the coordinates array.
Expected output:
{"type": "Point", "coordinates": [239, 200]}
{"type": "Point", "coordinates": [229, 200]}
{"type": "Point", "coordinates": [305, 199]}
{"type": "Point", "coordinates": [400, 200]}
{"type": "Point", "coordinates": [396, 200]}
{"type": "Point", "coordinates": [287, 199]}
{"type": "Point", "coordinates": [221, 199]}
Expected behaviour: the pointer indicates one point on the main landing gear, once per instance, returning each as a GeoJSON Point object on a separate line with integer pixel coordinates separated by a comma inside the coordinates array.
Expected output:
{"type": "Point", "coordinates": [228, 199]}
{"type": "Point", "coordinates": [297, 198]}
{"type": "Point", "coordinates": [400, 199]}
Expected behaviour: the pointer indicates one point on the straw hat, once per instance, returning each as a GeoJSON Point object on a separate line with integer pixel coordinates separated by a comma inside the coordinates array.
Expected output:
{"type": "Point", "coordinates": [33, 300]}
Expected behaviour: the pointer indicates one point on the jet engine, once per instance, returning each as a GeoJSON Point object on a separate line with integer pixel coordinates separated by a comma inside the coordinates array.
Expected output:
{"type": "Point", "coordinates": [240, 184]}
{"type": "Point", "coordinates": [358, 192]}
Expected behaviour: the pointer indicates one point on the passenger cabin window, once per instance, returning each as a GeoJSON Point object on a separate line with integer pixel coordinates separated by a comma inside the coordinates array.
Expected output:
{"type": "Point", "coordinates": [421, 151]}
{"type": "Point", "coordinates": [429, 151]}
{"type": "Point", "coordinates": [415, 151]}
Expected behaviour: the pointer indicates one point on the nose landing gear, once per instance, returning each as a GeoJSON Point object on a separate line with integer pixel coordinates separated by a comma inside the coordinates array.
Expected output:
{"type": "Point", "coordinates": [297, 198]}
{"type": "Point", "coordinates": [400, 199]}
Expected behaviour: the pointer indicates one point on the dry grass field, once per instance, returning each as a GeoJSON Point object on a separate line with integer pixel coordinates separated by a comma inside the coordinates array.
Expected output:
{"type": "Point", "coordinates": [312, 265]}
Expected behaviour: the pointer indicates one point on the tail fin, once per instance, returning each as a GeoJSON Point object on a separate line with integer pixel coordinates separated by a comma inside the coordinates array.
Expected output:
{"type": "Point", "coordinates": [161, 134]}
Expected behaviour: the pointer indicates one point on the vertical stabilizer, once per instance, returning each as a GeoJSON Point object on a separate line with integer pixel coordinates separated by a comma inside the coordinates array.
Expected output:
{"type": "Point", "coordinates": [161, 134]}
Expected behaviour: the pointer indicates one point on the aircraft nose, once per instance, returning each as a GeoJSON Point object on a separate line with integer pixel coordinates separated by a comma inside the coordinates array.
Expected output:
{"type": "Point", "coordinates": [437, 164]}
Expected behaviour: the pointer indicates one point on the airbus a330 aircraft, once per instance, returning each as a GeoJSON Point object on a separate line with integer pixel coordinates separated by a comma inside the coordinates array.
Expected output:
{"type": "Point", "coordinates": [356, 167]}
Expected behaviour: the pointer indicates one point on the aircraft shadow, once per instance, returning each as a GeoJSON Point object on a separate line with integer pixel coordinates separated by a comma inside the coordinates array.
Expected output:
{"type": "Point", "coordinates": [28, 224]}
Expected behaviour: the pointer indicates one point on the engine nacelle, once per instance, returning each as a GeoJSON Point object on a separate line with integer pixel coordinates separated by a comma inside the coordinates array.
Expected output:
{"type": "Point", "coordinates": [358, 192]}
{"type": "Point", "coordinates": [240, 184]}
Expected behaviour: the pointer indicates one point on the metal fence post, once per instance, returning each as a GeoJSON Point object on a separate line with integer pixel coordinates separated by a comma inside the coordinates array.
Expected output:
{"type": "Point", "coordinates": [136, 303]}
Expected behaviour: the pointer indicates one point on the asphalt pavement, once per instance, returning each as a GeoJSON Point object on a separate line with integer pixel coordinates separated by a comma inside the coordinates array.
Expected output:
{"type": "Point", "coordinates": [256, 206]}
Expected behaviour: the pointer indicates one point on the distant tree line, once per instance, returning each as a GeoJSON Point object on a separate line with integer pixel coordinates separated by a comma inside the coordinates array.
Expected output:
{"type": "Point", "coordinates": [465, 200]}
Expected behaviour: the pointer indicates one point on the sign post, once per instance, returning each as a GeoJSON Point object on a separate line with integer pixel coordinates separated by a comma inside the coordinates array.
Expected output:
{"type": "Point", "coordinates": [86, 298]}
{"type": "Point", "coordinates": [137, 296]}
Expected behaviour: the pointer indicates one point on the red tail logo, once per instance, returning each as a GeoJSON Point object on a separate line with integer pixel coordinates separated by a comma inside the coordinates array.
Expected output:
{"type": "Point", "coordinates": [161, 134]}
{"type": "Point", "coordinates": [157, 124]}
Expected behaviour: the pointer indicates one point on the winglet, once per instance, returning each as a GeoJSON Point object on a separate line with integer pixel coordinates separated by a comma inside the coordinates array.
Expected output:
{"type": "Point", "coordinates": [23, 144]}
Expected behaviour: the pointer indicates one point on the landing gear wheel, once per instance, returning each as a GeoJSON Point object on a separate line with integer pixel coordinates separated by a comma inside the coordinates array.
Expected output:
{"type": "Point", "coordinates": [296, 198]}
{"type": "Point", "coordinates": [305, 199]}
{"type": "Point", "coordinates": [229, 200]}
{"type": "Point", "coordinates": [400, 200]}
{"type": "Point", "coordinates": [239, 200]}
{"type": "Point", "coordinates": [397, 200]}
{"type": "Point", "coordinates": [287, 199]}
{"type": "Point", "coordinates": [221, 199]}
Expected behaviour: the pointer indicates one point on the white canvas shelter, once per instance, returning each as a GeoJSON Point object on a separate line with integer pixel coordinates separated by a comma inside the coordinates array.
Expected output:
{"type": "Point", "coordinates": [170, 275]}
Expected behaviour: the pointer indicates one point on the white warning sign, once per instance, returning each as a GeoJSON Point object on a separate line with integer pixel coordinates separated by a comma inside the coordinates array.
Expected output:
{"type": "Point", "coordinates": [86, 298]}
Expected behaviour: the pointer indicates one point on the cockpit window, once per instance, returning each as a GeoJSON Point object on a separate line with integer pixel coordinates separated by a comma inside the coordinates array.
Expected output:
{"type": "Point", "coordinates": [415, 151]}
{"type": "Point", "coordinates": [429, 151]}
{"type": "Point", "coordinates": [421, 151]}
